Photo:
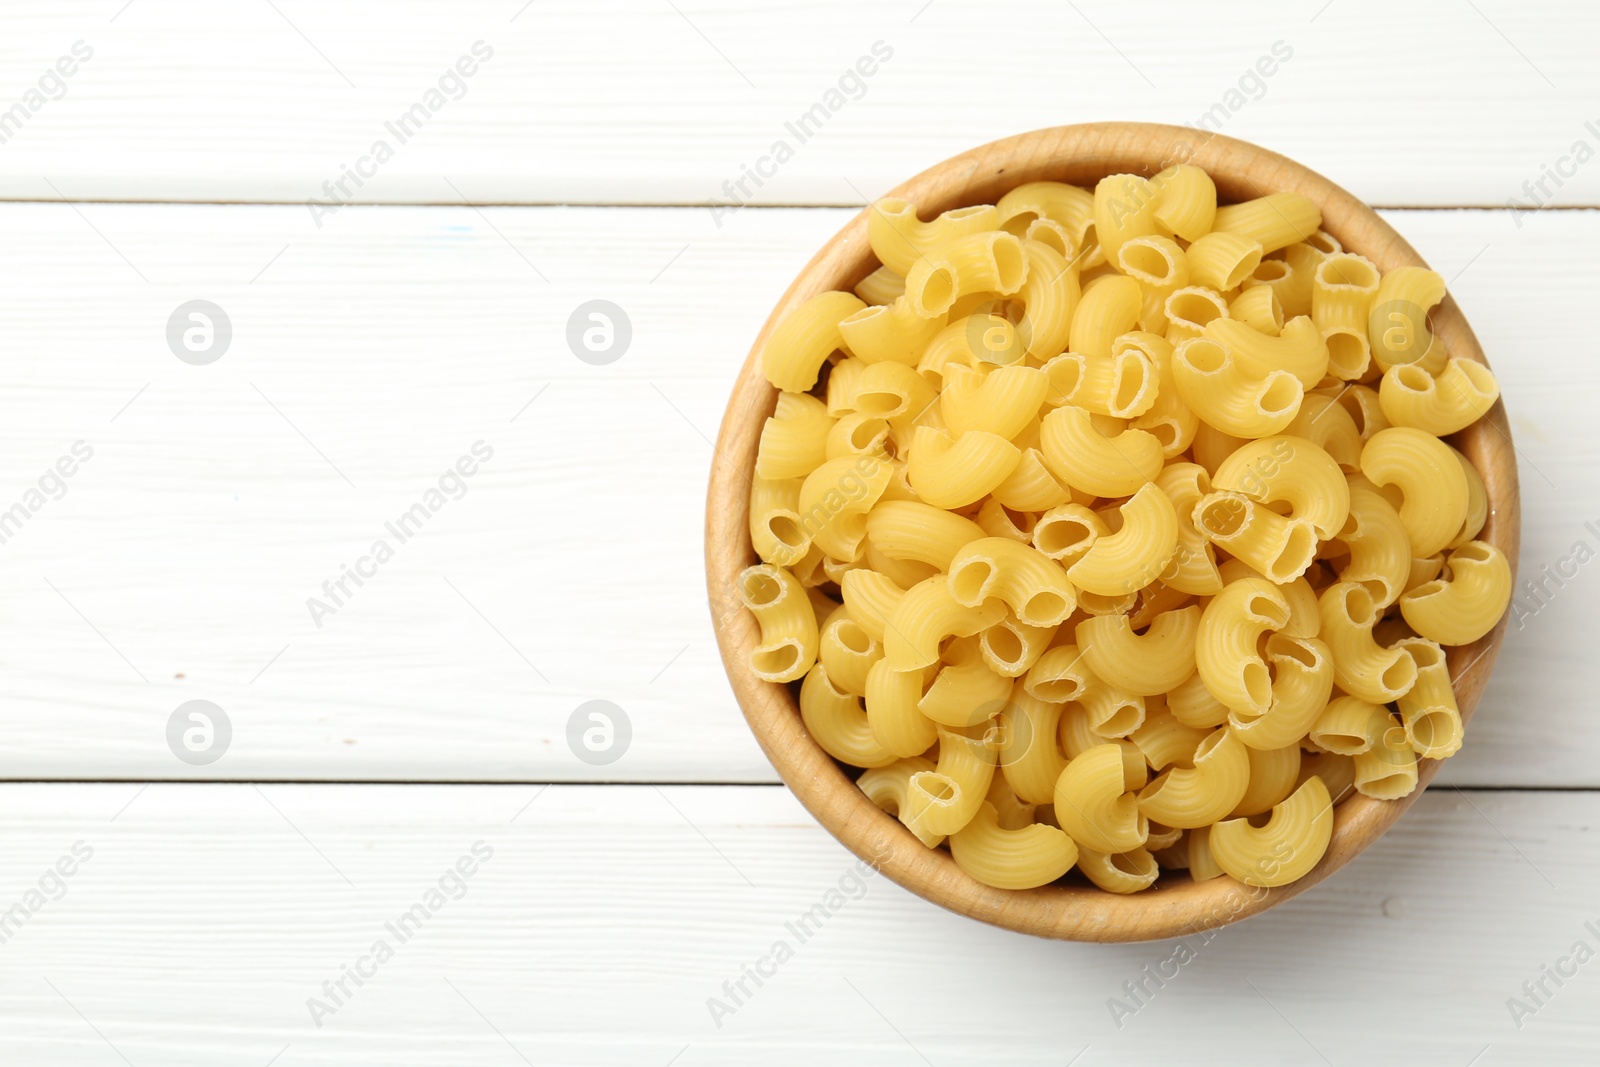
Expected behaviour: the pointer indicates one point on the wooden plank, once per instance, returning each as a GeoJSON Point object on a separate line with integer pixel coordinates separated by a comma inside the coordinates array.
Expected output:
{"type": "Point", "coordinates": [663, 103]}
{"type": "Point", "coordinates": [179, 563]}
{"type": "Point", "coordinates": [607, 917]}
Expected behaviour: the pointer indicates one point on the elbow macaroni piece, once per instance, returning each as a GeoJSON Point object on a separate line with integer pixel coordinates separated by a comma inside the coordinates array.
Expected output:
{"type": "Point", "coordinates": [1011, 859]}
{"type": "Point", "coordinates": [1228, 396]}
{"type": "Point", "coordinates": [1147, 664]}
{"type": "Point", "coordinates": [1133, 557]}
{"type": "Point", "coordinates": [1032, 585]}
{"type": "Point", "coordinates": [788, 645]}
{"type": "Point", "coordinates": [1432, 487]}
{"type": "Point", "coordinates": [804, 340]}
{"type": "Point", "coordinates": [1461, 608]}
{"type": "Point", "coordinates": [1286, 848]}
{"type": "Point", "coordinates": [1095, 805]}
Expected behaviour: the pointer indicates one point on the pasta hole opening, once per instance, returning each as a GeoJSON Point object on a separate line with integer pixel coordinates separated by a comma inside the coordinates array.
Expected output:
{"type": "Point", "coordinates": [1194, 308]}
{"type": "Point", "coordinates": [778, 659]}
{"type": "Point", "coordinates": [1052, 233]}
{"type": "Point", "coordinates": [1425, 654]}
{"type": "Point", "coordinates": [1129, 863]}
{"type": "Point", "coordinates": [1017, 225]}
{"type": "Point", "coordinates": [1399, 675]}
{"type": "Point", "coordinates": [1299, 546]}
{"type": "Point", "coordinates": [1010, 265]}
{"type": "Point", "coordinates": [1435, 730]}
{"type": "Point", "coordinates": [1282, 394]}
{"type": "Point", "coordinates": [1060, 536]}
{"type": "Point", "coordinates": [1058, 690]}
{"type": "Point", "coordinates": [1288, 649]}
{"type": "Point", "coordinates": [786, 530]}
{"type": "Point", "coordinates": [1347, 355]}
{"type": "Point", "coordinates": [1359, 605]}
{"type": "Point", "coordinates": [1242, 269]}
{"type": "Point", "coordinates": [940, 789]}
{"type": "Point", "coordinates": [1146, 263]}
{"type": "Point", "coordinates": [1045, 609]}
{"type": "Point", "coordinates": [1271, 270]}
{"type": "Point", "coordinates": [1342, 743]}
{"type": "Point", "coordinates": [1224, 516]}
{"type": "Point", "coordinates": [1259, 819]}
{"type": "Point", "coordinates": [1004, 644]}
{"type": "Point", "coordinates": [1021, 521]}
{"type": "Point", "coordinates": [1341, 271]}
{"type": "Point", "coordinates": [1478, 376]}
{"type": "Point", "coordinates": [881, 402]}
{"type": "Point", "coordinates": [866, 433]}
{"type": "Point", "coordinates": [1205, 356]}
{"type": "Point", "coordinates": [961, 214]}
{"type": "Point", "coordinates": [760, 590]}
{"type": "Point", "coordinates": [938, 291]}
{"type": "Point", "coordinates": [1165, 430]}
{"type": "Point", "coordinates": [1129, 382]}
{"type": "Point", "coordinates": [1257, 683]}
{"type": "Point", "coordinates": [970, 581]}
{"type": "Point", "coordinates": [1123, 720]}
{"type": "Point", "coordinates": [1472, 552]}
{"type": "Point", "coordinates": [853, 638]}
{"type": "Point", "coordinates": [893, 205]}
{"type": "Point", "coordinates": [1208, 744]}
{"type": "Point", "coordinates": [1325, 242]}
{"type": "Point", "coordinates": [1412, 377]}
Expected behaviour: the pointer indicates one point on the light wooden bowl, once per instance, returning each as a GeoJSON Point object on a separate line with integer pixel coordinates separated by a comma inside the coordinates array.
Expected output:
{"type": "Point", "coordinates": [1082, 155]}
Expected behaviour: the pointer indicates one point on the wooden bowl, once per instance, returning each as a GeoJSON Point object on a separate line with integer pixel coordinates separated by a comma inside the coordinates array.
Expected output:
{"type": "Point", "coordinates": [1081, 155]}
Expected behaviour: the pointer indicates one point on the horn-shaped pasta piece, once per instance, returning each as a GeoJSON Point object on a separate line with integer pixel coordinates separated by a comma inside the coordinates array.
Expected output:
{"type": "Point", "coordinates": [965, 692]}
{"type": "Point", "coordinates": [906, 529]}
{"type": "Point", "coordinates": [1387, 770]}
{"type": "Point", "coordinates": [1302, 682]}
{"type": "Point", "coordinates": [1108, 308]}
{"type": "Point", "coordinates": [1011, 859]}
{"type": "Point", "coordinates": [871, 597]}
{"type": "Point", "coordinates": [1120, 872]}
{"type": "Point", "coordinates": [1343, 288]}
{"type": "Point", "coordinates": [1461, 394]}
{"type": "Point", "coordinates": [1432, 488]}
{"type": "Point", "coordinates": [1428, 709]}
{"type": "Point", "coordinates": [1137, 554]}
{"type": "Point", "coordinates": [1067, 205]}
{"type": "Point", "coordinates": [1049, 300]}
{"type": "Point", "coordinates": [899, 239]}
{"type": "Point", "coordinates": [1031, 759]}
{"type": "Point", "coordinates": [1280, 549]}
{"type": "Point", "coordinates": [1230, 397]}
{"type": "Point", "coordinates": [1187, 202]}
{"type": "Point", "coordinates": [1100, 464]}
{"type": "Point", "coordinates": [1164, 741]}
{"type": "Point", "coordinates": [1289, 470]}
{"type": "Point", "coordinates": [1201, 794]}
{"type": "Point", "coordinates": [848, 651]}
{"type": "Point", "coordinates": [1467, 603]}
{"type": "Point", "coordinates": [794, 440]}
{"type": "Point", "coordinates": [1325, 423]}
{"type": "Point", "coordinates": [1094, 802]}
{"type": "Point", "coordinates": [788, 645]}
{"type": "Point", "coordinates": [888, 787]}
{"type": "Point", "coordinates": [1362, 667]}
{"type": "Point", "coordinates": [1031, 486]}
{"type": "Point", "coordinates": [1349, 726]}
{"type": "Point", "coordinates": [928, 614]}
{"type": "Point", "coordinates": [1227, 654]}
{"type": "Point", "coordinates": [1222, 260]}
{"type": "Point", "coordinates": [1189, 308]}
{"type": "Point", "coordinates": [1258, 308]}
{"type": "Point", "coordinates": [775, 530]}
{"type": "Point", "coordinates": [892, 333]}
{"type": "Point", "coordinates": [835, 499]}
{"type": "Point", "coordinates": [1298, 348]}
{"type": "Point", "coordinates": [988, 262]}
{"type": "Point", "coordinates": [1145, 664]}
{"type": "Point", "coordinates": [1192, 704]}
{"type": "Point", "coordinates": [1001, 401]}
{"type": "Point", "coordinates": [1397, 325]}
{"type": "Point", "coordinates": [1124, 206]}
{"type": "Point", "coordinates": [1066, 532]}
{"type": "Point", "coordinates": [952, 472]}
{"type": "Point", "coordinates": [1123, 384]}
{"type": "Point", "coordinates": [837, 721]}
{"type": "Point", "coordinates": [804, 339]}
{"type": "Point", "coordinates": [1011, 647]}
{"type": "Point", "coordinates": [1380, 550]}
{"type": "Point", "coordinates": [1032, 585]}
{"type": "Point", "coordinates": [1286, 848]}
{"type": "Point", "coordinates": [1274, 221]}
{"type": "Point", "coordinates": [1060, 675]}
{"type": "Point", "coordinates": [945, 799]}
{"type": "Point", "coordinates": [891, 698]}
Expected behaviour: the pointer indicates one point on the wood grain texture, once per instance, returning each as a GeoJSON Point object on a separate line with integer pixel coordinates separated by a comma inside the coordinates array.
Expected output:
{"type": "Point", "coordinates": [1080, 155]}
{"type": "Point", "coordinates": [394, 338]}
{"type": "Point", "coordinates": [203, 922]}
{"type": "Point", "coordinates": [634, 101]}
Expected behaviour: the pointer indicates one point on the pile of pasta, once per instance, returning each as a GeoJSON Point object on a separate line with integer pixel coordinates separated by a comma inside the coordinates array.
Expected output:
{"type": "Point", "coordinates": [1116, 530]}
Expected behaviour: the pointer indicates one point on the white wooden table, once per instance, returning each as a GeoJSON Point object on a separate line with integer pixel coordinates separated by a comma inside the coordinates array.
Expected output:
{"type": "Point", "coordinates": [213, 909]}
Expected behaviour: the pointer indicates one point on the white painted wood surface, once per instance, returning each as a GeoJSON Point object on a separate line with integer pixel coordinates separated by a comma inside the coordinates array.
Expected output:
{"type": "Point", "coordinates": [1434, 102]}
{"type": "Point", "coordinates": [397, 337]}
{"type": "Point", "coordinates": [607, 916]}
{"type": "Point", "coordinates": [374, 345]}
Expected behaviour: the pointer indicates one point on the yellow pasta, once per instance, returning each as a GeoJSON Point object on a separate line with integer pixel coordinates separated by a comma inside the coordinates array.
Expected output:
{"type": "Point", "coordinates": [1095, 804]}
{"type": "Point", "coordinates": [803, 341]}
{"type": "Point", "coordinates": [1137, 499]}
{"type": "Point", "coordinates": [1011, 859]}
{"type": "Point", "coordinates": [1465, 604]}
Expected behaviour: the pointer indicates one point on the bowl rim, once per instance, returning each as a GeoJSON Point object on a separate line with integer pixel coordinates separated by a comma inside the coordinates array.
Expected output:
{"type": "Point", "coordinates": [1079, 154]}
